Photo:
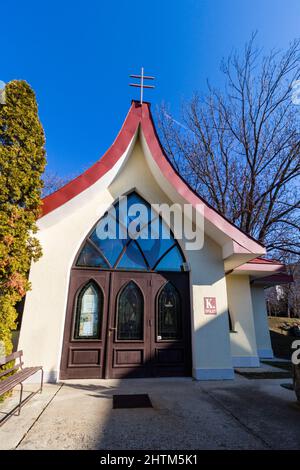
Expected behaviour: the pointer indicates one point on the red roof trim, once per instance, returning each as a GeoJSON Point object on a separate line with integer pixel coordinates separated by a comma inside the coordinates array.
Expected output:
{"type": "Point", "coordinates": [141, 115]}
{"type": "Point", "coordinates": [274, 279]}
{"type": "Point", "coordinates": [265, 261]}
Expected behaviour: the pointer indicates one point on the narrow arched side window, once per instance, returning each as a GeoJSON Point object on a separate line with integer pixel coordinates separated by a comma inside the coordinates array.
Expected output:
{"type": "Point", "coordinates": [231, 328]}
{"type": "Point", "coordinates": [130, 314]}
{"type": "Point", "coordinates": [89, 312]}
{"type": "Point", "coordinates": [169, 320]}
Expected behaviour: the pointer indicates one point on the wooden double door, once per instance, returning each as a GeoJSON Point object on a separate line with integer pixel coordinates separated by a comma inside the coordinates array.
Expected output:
{"type": "Point", "coordinates": [127, 324]}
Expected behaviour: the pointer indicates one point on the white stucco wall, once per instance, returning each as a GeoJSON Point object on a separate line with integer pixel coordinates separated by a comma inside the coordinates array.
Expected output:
{"type": "Point", "coordinates": [243, 339]}
{"type": "Point", "coordinates": [263, 340]}
{"type": "Point", "coordinates": [61, 234]}
{"type": "Point", "coordinates": [211, 342]}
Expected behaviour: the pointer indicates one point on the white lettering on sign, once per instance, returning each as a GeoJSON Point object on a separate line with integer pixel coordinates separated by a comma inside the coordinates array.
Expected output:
{"type": "Point", "coordinates": [210, 306]}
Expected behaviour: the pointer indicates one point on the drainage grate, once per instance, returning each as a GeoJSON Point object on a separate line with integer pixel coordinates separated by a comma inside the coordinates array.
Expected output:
{"type": "Point", "coordinates": [131, 401]}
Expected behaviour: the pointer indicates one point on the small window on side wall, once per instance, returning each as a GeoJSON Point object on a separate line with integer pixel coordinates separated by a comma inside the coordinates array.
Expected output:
{"type": "Point", "coordinates": [89, 313]}
{"type": "Point", "coordinates": [231, 329]}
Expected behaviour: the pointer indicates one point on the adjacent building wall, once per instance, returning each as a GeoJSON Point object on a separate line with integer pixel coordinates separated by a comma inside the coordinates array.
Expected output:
{"type": "Point", "coordinates": [263, 340]}
{"type": "Point", "coordinates": [243, 339]}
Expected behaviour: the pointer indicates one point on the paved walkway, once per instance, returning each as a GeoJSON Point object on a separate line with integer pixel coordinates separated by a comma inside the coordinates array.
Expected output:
{"type": "Point", "coordinates": [240, 414]}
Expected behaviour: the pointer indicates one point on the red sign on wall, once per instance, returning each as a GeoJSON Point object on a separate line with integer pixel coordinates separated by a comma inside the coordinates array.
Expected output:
{"type": "Point", "coordinates": [210, 306]}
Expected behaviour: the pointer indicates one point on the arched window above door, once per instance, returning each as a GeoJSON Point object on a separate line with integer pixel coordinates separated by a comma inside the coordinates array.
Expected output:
{"type": "Point", "coordinates": [123, 250]}
{"type": "Point", "coordinates": [89, 312]}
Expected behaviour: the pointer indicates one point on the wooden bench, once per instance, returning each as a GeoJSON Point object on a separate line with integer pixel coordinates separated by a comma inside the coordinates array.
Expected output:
{"type": "Point", "coordinates": [11, 381]}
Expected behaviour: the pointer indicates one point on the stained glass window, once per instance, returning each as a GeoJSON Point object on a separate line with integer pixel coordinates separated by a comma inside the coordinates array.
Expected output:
{"type": "Point", "coordinates": [89, 256]}
{"type": "Point", "coordinates": [155, 247]}
{"type": "Point", "coordinates": [111, 247]}
{"type": "Point", "coordinates": [130, 313]}
{"type": "Point", "coordinates": [89, 313]}
{"type": "Point", "coordinates": [169, 321]}
{"type": "Point", "coordinates": [151, 247]}
{"type": "Point", "coordinates": [132, 258]}
{"type": "Point", "coordinates": [171, 261]}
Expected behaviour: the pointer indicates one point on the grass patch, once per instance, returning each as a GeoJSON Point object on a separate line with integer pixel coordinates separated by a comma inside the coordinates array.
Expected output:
{"type": "Point", "coordinates": [280, 338]}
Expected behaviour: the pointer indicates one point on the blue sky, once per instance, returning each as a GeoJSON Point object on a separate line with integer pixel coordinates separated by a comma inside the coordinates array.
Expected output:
{"type": "Point", "coordinates": [77, 56]}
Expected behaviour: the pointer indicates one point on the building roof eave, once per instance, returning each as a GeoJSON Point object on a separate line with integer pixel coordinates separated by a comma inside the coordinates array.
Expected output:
{"type": "Point", "coordinates": [140, 115]}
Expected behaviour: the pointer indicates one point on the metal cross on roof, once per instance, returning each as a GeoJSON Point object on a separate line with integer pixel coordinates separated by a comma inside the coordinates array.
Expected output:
{"type": "Point", "coordinates": [141, 85]}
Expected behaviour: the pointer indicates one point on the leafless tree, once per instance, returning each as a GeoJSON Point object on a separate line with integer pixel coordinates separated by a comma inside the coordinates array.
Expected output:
{"type": "Point", "coordinates": [293, 290]}
{"type": "Point", "coordinates": [53, 182]}
{"type": "Point", "coordinates": [239, 146]}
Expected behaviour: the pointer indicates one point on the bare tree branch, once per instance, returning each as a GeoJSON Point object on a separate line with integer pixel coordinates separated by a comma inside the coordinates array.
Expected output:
{"type": "Point", "coordinates": [240, 147]}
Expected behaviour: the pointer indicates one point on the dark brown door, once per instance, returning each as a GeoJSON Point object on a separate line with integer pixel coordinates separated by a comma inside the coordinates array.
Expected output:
{"type": "Point", "coordinates": [128, 345]}
{"type": "Point", "coordinates": [83, 354]}
{"type": "Point", "coordinates": [171, 329]}
{"type": "Point", "coordinates": [127, 324]}
{"type": "Point", "coordinates": [149, 326]}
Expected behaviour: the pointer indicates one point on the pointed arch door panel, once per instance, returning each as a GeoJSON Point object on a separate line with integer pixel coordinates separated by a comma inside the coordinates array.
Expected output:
{"type": "Point", "coordinates": [128, 332]}
{"type": "Point", "coordinates": [83, 353]}
{"type": "Point", "coordinates": [171, 332]}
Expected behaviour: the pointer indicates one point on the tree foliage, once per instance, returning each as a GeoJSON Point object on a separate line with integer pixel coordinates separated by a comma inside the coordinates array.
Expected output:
{"type": "Point", "coordinates": [239, 146]}
{"type": "Point", "coordinates": [22, 162]}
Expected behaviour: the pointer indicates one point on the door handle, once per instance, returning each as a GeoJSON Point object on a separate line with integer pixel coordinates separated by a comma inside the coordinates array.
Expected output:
{"type": "Point", "coordinates": [110, 330]}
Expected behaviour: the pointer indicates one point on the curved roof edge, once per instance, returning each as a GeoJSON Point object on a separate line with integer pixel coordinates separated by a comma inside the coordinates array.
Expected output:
{"type": "Point", "coordinates": [141, 115]}
{"type": "Point", "coordinates": [265, 272]}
